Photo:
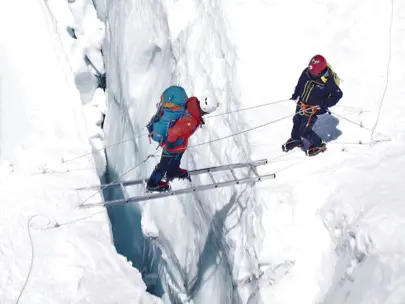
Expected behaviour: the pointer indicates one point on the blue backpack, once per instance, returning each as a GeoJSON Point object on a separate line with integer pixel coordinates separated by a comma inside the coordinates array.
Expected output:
{"type": "Point", "coordinates": [172, 106]}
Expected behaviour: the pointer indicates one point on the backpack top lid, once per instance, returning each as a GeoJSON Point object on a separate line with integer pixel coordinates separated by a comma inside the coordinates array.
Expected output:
{"type": "Point", "coordinates": [175, 95]}
{"type": "Point", "coordinates": [331, 73]}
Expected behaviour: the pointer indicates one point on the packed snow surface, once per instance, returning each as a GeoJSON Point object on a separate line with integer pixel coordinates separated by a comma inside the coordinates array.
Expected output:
{"type": "Point", "coordinates": [50, 251]}
{"type": "Point", "coordinates": [328, 229]}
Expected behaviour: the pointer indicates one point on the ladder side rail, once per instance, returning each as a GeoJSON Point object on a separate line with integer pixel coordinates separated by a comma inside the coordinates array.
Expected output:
{"type": "Point", "coordinates": [189, 190]}
{"type": "Point", "coordinates": [256, 163]}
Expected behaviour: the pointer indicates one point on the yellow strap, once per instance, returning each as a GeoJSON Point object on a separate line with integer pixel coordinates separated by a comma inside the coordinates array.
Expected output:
{"type": "Point", "coordinates": [170, 105]}
{"type": "Point", "coordinates": [334, 75]}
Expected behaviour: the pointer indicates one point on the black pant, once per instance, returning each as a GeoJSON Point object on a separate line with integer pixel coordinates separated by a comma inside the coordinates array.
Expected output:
{"type": "Point", "coordinates": [169, 163]}
{"type": "Point", "coordinates": [302, 128]}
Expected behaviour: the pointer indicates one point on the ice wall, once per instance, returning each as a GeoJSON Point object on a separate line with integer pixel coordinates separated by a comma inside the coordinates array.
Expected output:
{"type": "Point", "coordinates": [51, 251]}
{"type": "Point", "coordinates": [204, 238]}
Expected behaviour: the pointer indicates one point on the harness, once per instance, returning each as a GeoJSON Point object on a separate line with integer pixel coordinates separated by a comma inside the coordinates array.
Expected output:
{"type": "Point", "coordinates": [307, 110]}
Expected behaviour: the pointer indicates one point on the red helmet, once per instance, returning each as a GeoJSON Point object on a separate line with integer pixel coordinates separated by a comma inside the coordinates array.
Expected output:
{"type": "Point", "coordinates": [316, 65]}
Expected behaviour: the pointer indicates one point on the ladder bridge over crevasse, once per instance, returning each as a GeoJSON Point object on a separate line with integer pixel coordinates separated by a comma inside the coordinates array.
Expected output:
{"type": "Point", "coordinates": [245, 176]}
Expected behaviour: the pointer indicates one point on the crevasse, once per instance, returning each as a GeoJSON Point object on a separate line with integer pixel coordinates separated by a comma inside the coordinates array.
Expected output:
{"type": "Point", "coordinates": [196, 238]}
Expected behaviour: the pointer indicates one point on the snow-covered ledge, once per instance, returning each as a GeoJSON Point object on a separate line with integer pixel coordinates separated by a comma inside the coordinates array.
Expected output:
{"type": "Point", "coordinates": [50, 250]}
{"type": "Point", "coordinates": [81, 34]}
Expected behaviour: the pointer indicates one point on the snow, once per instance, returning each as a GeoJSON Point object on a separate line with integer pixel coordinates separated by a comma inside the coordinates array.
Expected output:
{"type": "Point", "coordinates": [147, 63]}
{"type": "Point", "coordinates": [328, 229]}
{"type": "Point", "coordinates": [288, 234]}
{"type": "Point", "coordinates": [51, 251]}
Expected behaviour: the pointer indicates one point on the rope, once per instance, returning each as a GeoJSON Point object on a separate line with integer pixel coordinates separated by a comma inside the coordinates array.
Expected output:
{"type": "Point", "coordinates": [57, 225]}
{"type": "Point", "coordinates": [271, 103]}
{"type": "Point", "coordinates": [352, 108]}
{"type": "Point", "coordinates": [300, 112]}
{"type": "Point", "coordinates": [357, 124]}
{"type": "Point", "coordinates": [144, 133]}
{"type": "Point", "coordinates": [388, 70]}
{"type": "Point", "coordinates": [46, 171]}
{"type": "Point", "coordinates": [46, 227]}
{"type": "Point", "coordinates": [118, 177]}
{"type": "Point", "coordinates": [241, 132]}
{"type": "Point", "coordinates": [32, 256]}
{"type": "Point", "coordinates": [244, 131]}
{"type": "Point", "coordinates": [249, 108]}
{"type": "Point", "coordinates": [193, 146]}
{"type": "Point", "coordinates": [105, 147]}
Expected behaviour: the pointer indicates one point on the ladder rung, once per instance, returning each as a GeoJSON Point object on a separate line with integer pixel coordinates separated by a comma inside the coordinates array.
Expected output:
{"type": "Point", "coordinates": [180, 191]}
{"type": "Point", "coordinates": [254, 170]}
{"type": "Point", "coordinates": [124, 192]}
{"type": "Point", "coordinates": [233, 173]}
{"type": "Point", "coordinates": [192, 172]}
{"type": "Point", "coordinates": [212, 177]}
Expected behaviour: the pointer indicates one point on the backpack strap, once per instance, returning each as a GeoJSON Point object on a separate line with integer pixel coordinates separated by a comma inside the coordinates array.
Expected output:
{"type": "Point", "coordinates": [171, 106]}
{"type": "Point", "coordinates": [174, 113]}
{"type": "Point", "coordinates": [155, 117]}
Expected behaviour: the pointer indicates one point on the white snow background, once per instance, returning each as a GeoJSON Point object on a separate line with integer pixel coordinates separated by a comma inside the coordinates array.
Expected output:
{"type": "Point", "coordinates": [328, 229]}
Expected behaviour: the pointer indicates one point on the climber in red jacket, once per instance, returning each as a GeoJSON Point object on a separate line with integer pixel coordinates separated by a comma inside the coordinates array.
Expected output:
{"type": "Point", "coordinates": [176, 143]}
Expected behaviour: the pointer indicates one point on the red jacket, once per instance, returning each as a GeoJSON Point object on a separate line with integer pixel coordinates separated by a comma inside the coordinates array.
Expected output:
{"type": "Point", "coordinates": [185, 126]}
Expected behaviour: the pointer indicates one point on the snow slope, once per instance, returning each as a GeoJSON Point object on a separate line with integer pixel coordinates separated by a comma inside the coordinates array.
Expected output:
{"type": "Point", "coordinates": [324, 224]}
{"type": "Point", "coordinates": [51, 251]}
{"type": "Point", "coordinates": [351, 190]}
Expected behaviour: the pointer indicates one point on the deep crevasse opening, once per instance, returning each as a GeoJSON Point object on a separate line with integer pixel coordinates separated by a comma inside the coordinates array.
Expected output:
{"type": "Point", "coordinates": [200, 245]}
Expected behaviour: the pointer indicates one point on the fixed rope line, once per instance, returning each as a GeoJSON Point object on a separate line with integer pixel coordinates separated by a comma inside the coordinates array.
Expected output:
{"type": "Point", "coordinates": [32, 256]}
{"type": "Point", "coordinates": [388, 70]}
{"type": "Point", "coordinates": [244, 131]}
{"type": "Point", "coordinates": [359, 142]}
{"type": "Point", "coordinates": [144, 133]}
{"type": "Point", "coordinates": [268, 104]}
{"type": "Point", "coordinates": [351, 121]}
{"type": "Point", "coordinates": [356, 123]}
{"type": "Point", "coordinates": [105, 147]}
{"type": "Point", "coordinates": [249, 108]}
{"type": "Point", "coordinates": [46, 227]}
{"type": "Point", "coordinates": [350, 107]}
{"type": "Point", "coordinates": [300, 112]}
{"type": "Point", "coordinates": [71, 222]}
{"type": "Point", "coordinates": [119, 176]}
{"type": "Point", "coordinates": [51, 171]}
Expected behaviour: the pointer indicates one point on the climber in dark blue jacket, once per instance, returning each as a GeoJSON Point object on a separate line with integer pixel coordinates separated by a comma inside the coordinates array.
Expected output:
{"type": "Point", "coordinates": [316, 91]}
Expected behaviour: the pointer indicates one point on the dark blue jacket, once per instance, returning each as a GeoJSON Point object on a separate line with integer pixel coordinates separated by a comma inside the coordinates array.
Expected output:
{"type": "Point", "coordinates": [323, 91]}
